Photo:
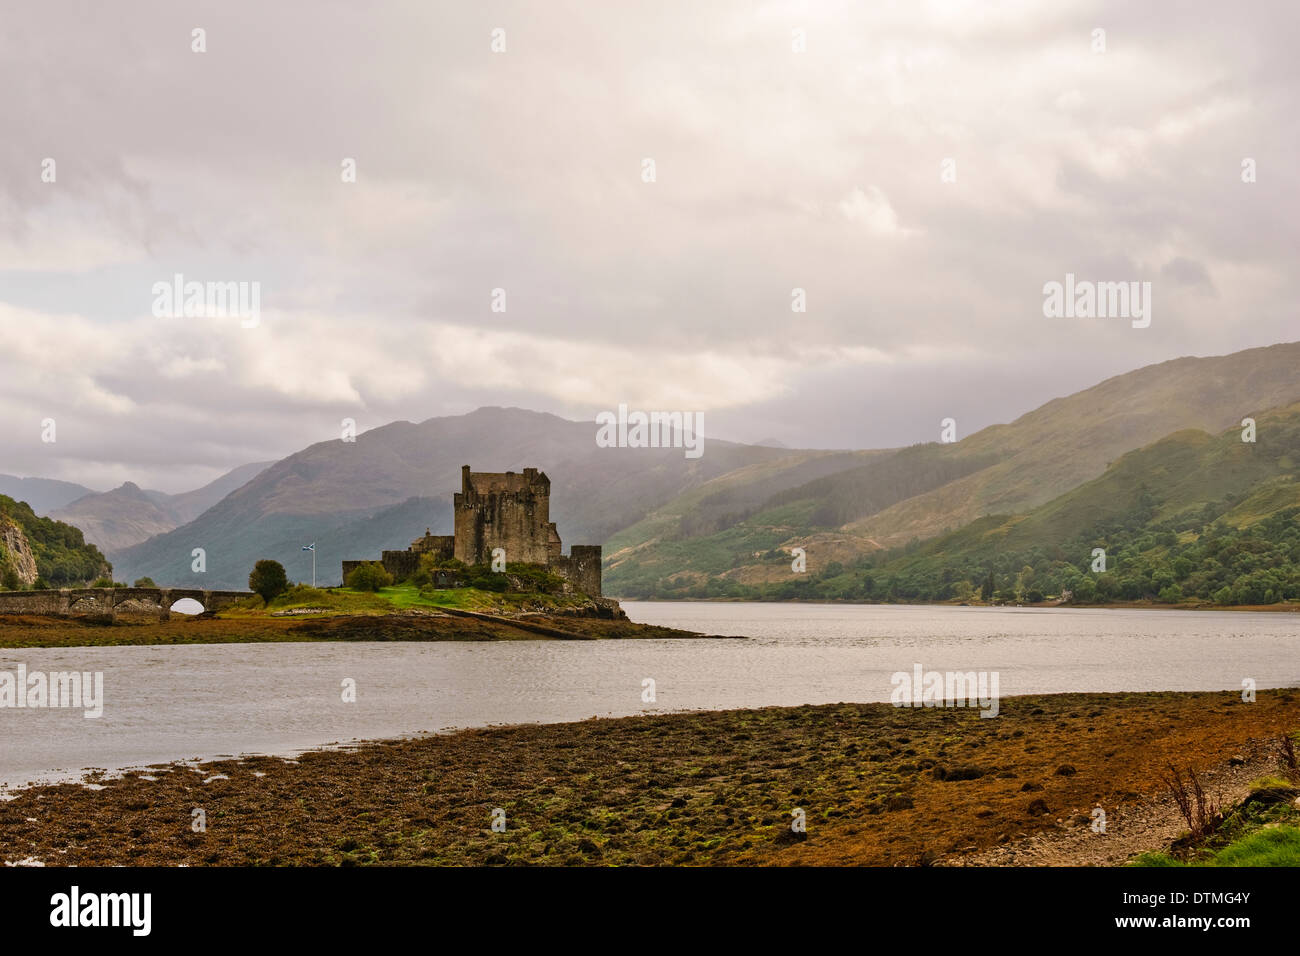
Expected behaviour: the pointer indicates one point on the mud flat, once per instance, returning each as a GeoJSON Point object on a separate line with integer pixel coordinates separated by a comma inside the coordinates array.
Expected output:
{"type": "Point", "coordinates": [877, 785]}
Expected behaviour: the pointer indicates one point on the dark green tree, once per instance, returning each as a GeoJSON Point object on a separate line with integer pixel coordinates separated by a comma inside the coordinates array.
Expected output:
{"type": "Point", "coordinates": [370, 576]}
{"type": "Point", "coordinates": [268, 579]}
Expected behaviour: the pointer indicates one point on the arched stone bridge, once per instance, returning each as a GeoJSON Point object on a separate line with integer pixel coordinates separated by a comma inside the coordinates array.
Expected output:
{"type": "Point", "coordinates": [112, 602]}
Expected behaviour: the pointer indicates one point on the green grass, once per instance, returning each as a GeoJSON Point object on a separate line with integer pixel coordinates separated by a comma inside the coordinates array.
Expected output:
{"type": "Point", "coordinates": [1277, 846]}
{"type": "Point", "coordinates": [1272, 846]}
{"type": "Point", "coordinates": [1263, 830]}
{"type": "Point", "coordinates": [399, 597]}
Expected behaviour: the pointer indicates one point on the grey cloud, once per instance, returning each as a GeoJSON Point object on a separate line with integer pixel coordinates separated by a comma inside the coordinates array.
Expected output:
{"type": "Point", "coordinates": [521, 171]}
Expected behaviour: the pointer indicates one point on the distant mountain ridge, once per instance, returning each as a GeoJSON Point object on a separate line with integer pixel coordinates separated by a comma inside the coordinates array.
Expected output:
{"type": "Point", "coordinates": [43, 494]}
{"type": "Point", "coordinates": [665, 518]}
{"type": "Point", "coordinates": [127, 515]}
{"type": "Point", "coordinates": [402, 476]}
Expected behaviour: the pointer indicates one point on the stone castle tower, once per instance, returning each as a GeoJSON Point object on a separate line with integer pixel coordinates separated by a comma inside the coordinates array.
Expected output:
{"type": "Point", "coordinates": [508, 510]}
{"type": "Point", "coordinates": [505, 510]}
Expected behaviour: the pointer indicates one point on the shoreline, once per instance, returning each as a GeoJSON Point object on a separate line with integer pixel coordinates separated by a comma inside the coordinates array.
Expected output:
{"type": "Point", "coordinates": [1043, 605]}
{"type": "Point", "coordinates": [30, 632]}
{"type": "Point", "coordinates": [879, 785]}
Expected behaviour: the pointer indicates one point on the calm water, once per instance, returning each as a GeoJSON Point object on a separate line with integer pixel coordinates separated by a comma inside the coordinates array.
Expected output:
{"type": "Point", "coordinates": [170, 703]}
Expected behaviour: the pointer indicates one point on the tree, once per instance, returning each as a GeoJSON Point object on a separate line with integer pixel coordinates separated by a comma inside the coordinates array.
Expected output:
{"type": "Point", "coordinates": [9, 578]}
{"type": "Point", "coordinates": [1170, 594]}
{"type": "Point", "coordinates": [268, 579]}
{"type": "Point", "coordinates": [986, 592]}
{"type": "Point", "coordinates": [145, 582]}
{"type": "Point", "coordinates": [370, 576]}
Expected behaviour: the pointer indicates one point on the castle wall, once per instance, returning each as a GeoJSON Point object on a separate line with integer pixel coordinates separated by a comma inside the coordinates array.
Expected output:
{"type": "Point", "coordinates": [400, 564]}
{"type": "Point", "coordinates": [581, 568]}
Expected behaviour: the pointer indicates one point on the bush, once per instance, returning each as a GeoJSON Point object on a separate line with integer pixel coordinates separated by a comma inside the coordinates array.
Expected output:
{"type": "Point", "coordinates": [370, 576]}
{"type": "Point", "coordinates": [144, 583]}
{"type": "Point", "coordinates": [103, 583]}
{"type": "Point", "coordinates": [40, 584]}
{"type": "Point", "coordinates": [9, 579]}
{"type": "Point", "coordinates": [268, 579]}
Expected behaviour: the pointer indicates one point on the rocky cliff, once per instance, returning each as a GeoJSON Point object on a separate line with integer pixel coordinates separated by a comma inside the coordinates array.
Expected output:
{"type": "Point", "coordinates": [16, 554]}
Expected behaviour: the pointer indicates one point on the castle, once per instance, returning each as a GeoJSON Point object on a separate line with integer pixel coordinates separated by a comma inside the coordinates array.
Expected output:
{"type": "Point", "coordinates": [506, 510]}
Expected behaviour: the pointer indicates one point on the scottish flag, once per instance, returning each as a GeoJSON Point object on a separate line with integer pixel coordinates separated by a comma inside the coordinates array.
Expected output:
{"type": "Point", "coordinates": [310, 547]}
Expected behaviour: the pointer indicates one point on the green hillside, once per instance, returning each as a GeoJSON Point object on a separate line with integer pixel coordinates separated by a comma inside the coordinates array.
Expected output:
{"type": "Point", "coordinates": [884, 501]}
{"type": "Point", "coordinates": [732, 521]}
{"type": "Point", "coordinates": [1192, 517]}
{"type": "Point", "coordinates": [1069, 440]}
{"type": "Point", "coordinates": [62, 556]}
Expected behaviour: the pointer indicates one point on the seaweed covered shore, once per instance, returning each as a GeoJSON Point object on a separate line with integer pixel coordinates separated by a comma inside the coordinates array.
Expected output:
{"type": "Point", "coordinates": [875, 785]}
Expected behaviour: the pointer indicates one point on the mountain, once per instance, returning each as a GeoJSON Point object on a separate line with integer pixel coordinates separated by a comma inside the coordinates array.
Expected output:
{"type": "Point", "coordinates": [119, 518]}
{"type": "Point", "coordinates": [1193, 516]}
{"type": "Point", "coordinates": [58, 551]}
{"type": "Point", "coordinates": [670, 523]}
{"type": "Point", "coordinates": [920, 492]}
{"type": "Point", "coordinates": [354, 498]}
{"type": "Point", "coordinates": [43, 494]}
{"type": "Point", "coordinates": [190, 504]}
{"type": "Point", "coordinates": [1070, 440]}
{"type": "Point", "coordinates": [127, 515]}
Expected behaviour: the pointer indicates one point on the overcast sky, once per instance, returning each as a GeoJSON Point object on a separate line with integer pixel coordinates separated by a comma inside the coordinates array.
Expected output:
{"type": "Point", "coordinates": [523, 170]}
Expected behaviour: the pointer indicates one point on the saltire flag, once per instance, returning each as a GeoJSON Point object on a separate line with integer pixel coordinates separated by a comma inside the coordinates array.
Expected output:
{"type": "Point", "coordinates": [310, 547]}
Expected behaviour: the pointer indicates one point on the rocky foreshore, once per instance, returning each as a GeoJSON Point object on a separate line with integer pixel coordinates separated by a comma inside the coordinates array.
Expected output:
{"type": "Point", "coordinates": [872, 784]}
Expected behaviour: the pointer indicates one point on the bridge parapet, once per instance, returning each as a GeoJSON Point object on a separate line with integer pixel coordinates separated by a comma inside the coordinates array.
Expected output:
{"type": "Point", "coordinates": [110, 602]}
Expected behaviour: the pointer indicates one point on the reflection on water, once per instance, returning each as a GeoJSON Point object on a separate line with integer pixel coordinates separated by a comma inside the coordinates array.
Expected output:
{"type": "Point", "coordinates": [169, 703]}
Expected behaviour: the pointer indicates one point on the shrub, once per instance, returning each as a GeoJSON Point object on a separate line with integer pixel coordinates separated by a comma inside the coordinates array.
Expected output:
{"type": "Point", "coordinates": [145, 582]}
{"type": "Point", "coordinates": [370, 576]}
{"type": "Point", "coordinates": [268, 579]}
{"type": "Point", "coordinates": [1203, 814]}
{"type": "Point", "coordinates": [9, 579]}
